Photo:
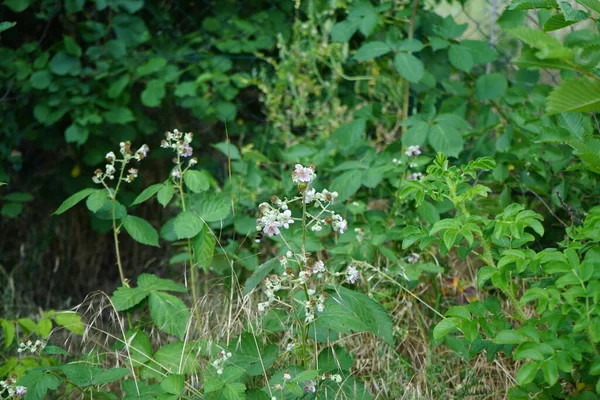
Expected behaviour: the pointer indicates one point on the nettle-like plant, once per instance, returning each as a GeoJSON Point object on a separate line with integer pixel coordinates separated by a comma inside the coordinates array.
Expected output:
{"type": "Point", "coordinates": [552, 322]}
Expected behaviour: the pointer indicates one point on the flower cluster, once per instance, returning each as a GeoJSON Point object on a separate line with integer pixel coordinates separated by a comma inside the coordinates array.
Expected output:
{"type": "Point", "coordinates": [181, 143]}
{"type": "Point", "coordinates": [314, 305]}
{"type": "Point", "coordinates": [219, 362]}
{"type": "Point", "coordinates": [273, 217]}
{"type": "Point", "coordinates": [303, 174]}
{"type": "Point", "coordinates": [413, 151]}
{"type": "Point", "coordinates": [9, 386]}
{"type": "Point", "coordinates": [128, 154]}
{"type": "Point", "coordinates": [413, 258]}
{"type": "Point", "coordinates": [31, 347]}
{"type": "Point", "coordinates": [415, 176]}
{"type": "Point", "coordinates": [352, 274]}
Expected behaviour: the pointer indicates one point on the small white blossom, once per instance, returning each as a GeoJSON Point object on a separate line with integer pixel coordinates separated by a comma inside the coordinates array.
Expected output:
{"type": "Point", "coordinates": [316, 227]}
{"type": "Point", "coordinates": [303, 174]}
{"type": "Point", "coordinates": [287, 376]}
{"type": "Point", "coordinates": [416, 176]}
{"type": "Point", "coordinates": [413, 258]}
{"type": "Point", "coordinates": [413, 151]}
{"type": "Point", "coordinates": [336, 378]}
{"type": "Point", "coordinates": [318, 267]}
{"type": "Point", "coordinates": [352, 274]}
{"type": "Point", "coordinates": [338, 223]}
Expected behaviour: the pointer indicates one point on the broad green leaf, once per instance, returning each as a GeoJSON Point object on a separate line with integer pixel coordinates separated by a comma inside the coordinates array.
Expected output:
{"type": "Point", "coordinates": [17, 5]}
{"type": "Point", "coordinates": [575, 95]}
{"type": "Point", "coordinates": [150, 283]}
{"type": "Point", "coordinates": [212, 207]}
{"type": "Point", "coordinates": [5, 25]}
{"type": "Point", "coordinates": [411, 45]}
{"type": "Point", "coordinates": [550, 371]}
{"type": "Point", "coordinates": [417, 134]}
{"type": "Point", "coordinates": [187, 225]}
{"type": "Point", "coordinates": [531, 4]}
{"type": "Point", "coordinates": [96, 200]}
{"type": "Point", "coordinates": [116, 88]}
{"type": "Point", "coordinates": [204, 248]}
{"type": "Point", "coordinates": [527, 373]}
{"type": "Point", "coordinates": [151, 66]}
{"type": "Point", "coordinates": [169, 313]}
{"type": "Point", "coordinates": [196, 181]}
{"type": "Point", "coordinates": [548, 46]}
{"type": "Point", "coordinates": [228, 149]}
{"type": "Point", "coordinates": [349, 136]}
{"type": "Point", "coordinates": [491, 87]}
{"type": "Point", "coordinates": [11, 210]}
{"type": "Point", "coordinates": [591, 4]}
{"type": "Point", "coordinates": [64, 64]}
{"type": "Point", "coordinates": [55, 350]}
{"type": "Point", "coordinates": [44, 327]}
{"type": "Point", "coordinates": [175, 358]}
{"type": "Point", "coordinates": [252, 356]}
{"type": "Point", "coordinates": [119, 115]}
{"type": "Point", "coordinates": [445, 326]}
{"type": "Point", "coordinates": [74, 199]}
{"type": "Point", "coordinates": [371, 50]}
{"type": "Point", "coordinates": [347, 184]}
{"type": "Point", "coordinates": [131, 30]}
{"type": "Point", "coordinates": [173, 384]}
{"type": "Point", "coordinates": [509, 336]}
{"type": "Point", "coordinates": [19, 197]}
{"type": "Point", "coordinates": [124, 298]}
{"type": "Point", "coordinates": [165, 194]}
{"type": "Point", "coordinates": [409, 67]}
{"type": "Point", "coordinates": [153, 93]}
{"type": "Point", "coordinates": [140, 230]}
{"type": "Point", "coordinates": [28, 325]}
{"type": "Point", "coordinates": [139, 347]}
{"type": "Point", "coordinates": [8, 327]}
{"type": "Point", "coordinates": [110, 375]}
{"type": "Point", "coordinates": [343, 31]}
{"type": "Point", "coordinates": [446, 139]}
{"type": "Point", "coordinates": [76, 133]}
{"type": "Point", "coordinates": [70, 320]}
{"type": "Point", "coordinates": [571, 14]}
{"type": "Point", "coordinates": [38, 381]}
{"type": "Point", "coordinates": [259, 274]}
{"type": "Point", "coordinates": [347, 309]}
{"type": "Point", "coordinates": [71, 46]}
{"type": "Point", "coordinates": [147, 193]}
{"type": "Point", "coordinates": [460, 57]}
{"type": "Point", "coordinates": [40, 80]}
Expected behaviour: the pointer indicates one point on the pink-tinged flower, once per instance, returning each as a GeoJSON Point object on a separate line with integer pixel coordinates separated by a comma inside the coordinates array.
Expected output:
{"type": "Point", "coordinates": [272, 228]}
{"type": "Point", "coordinates": [413, 151]}
{"type": "Point", "coordinates": [318, 267]}
{"type": "Point", "coordinates": [285, 218]}
{"type": "Point", "coordinates": [352, 274]}
{"type": "Point", "coordinates": [413, 258]}
{"type": "Point", "coordinates": [187, 151]}
{"type": "Point", "coordinates": [176, 172]}
{"type": "Point", "coordinates": [303, 174]}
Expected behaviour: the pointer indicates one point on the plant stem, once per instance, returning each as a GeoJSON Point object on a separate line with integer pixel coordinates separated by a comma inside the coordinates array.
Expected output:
{"type": "Point", "coordinates": [114, 224]}
{"type": "Point", "coordinates": [189, 243]}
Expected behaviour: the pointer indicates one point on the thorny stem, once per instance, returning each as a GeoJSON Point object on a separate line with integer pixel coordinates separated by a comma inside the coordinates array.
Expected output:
{"type": "Point", "coordinates": [189, 241]}
{"type": "Point", "coordinates": [115, 228]}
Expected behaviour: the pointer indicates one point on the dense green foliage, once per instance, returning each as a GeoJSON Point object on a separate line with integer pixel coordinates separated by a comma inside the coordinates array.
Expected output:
{"type": "Point", "coordinates": [382, 158]}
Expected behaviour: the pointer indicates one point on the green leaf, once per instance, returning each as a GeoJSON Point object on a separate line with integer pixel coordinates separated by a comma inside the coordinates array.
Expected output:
{"type": "Point", "coordinates": [153, 93]}
{"type": "Point", "coordinates": [110, 375]}
{"type": "Point", "coordinates": [151, 66]}
{"type": "Point", "coordinates": [55, 350]}
{"type": "Point", "coordinates": [140, 230]}
{"type": "Point", "coordinates": [343, 31]}
{"type": "Point", "coordinates": [76, 133]}
{"type": "Point", "coordinates": [96, 200]}
{"type": "Point", "coordinates": [147, 193]}
{"type": "Point", "coordinates": [119, 115]}
{"type": "Point", "coordinates": [40, 80]}
{"type": "Point", "coordinates": [548, 46]}
{"type": "Point", "coordinates": [491, 87]}
{"type": "Point", "coordinates": [409, 67]}
{"type": "Point", "coordinates": [187, 225]}
{"type": "Point", "coordinates": [5, 25]}
{"type": "Point", "coordinates": [173, 384]}
{"type": "Point", "coordinates": [531, 4]}
{"type": "Point", "coordinates": [460, 57]}
{"type": "Point", "coordinates": [28, 325]}
{"type": "Point", "coordinates": [71, 46]}
{"type": "Point", "coordinates": [259, 274]}
{"type": "Point", "coordinates": [347, 184]}
{"type": "Point", "coordinates": [204, 248]}
{"type": "Point", "coordinates": [131, 30]}
{"type": "Point", "coordinates": [8, 328]}
{"type": "Point", "coordinates": [571, 14]}
{"type": "Point", "coordinates": [509, 336]}
{"type": "Point", "coordinates": [169, 313]}
{"type": "Point", "coordinates": [176, 358]}
{"type": "Point", "coordinates": [444, 138]}
{"type": "Point", "coordinates": [151, 283]}
{"type": "Point", "coordinates": [17, 5]}
{"type": "Point", "coordinates": [64, 64]}
{"type": "Point", "coordinates": [74, 199]}
{"type": "Point", "coordinates": [527, 373]}
{"type": "Point", "coordinates": [38, 381]}
{"type": "Point", "coordinates": [139, 347]}
{"type": "Point", "coordinates": [575, 95]}
{"type": "Point", "coordinates": [417, 134]}
{"type": "Point", "coordinates": [371, 50]}
{"type": "Point", "coordinates": [228, 149]}
{"type": "Point", "coordinates": [445, 326]}
{"type": "Point", "coordinates": [116, 88]}
{"type": "Point", "coordinates": [125, 298]}
{"type": "Point", "coordinates": [411, 45]}
{"type": "Point", "coordinates": [11, 210]}
{"type": "Point", "coordinates": [70, 320]}
{"type": "Point", "coordinates": [196, 181]}
{"type": "Point", "coordinates": [165, 194]}
{"type": "Point", "coordinates": [212, 207]}
{"type": "Point", "coordinates": [347, 310]}
{"type": "Point", "coordinates": [591, 4]}
{"type": "Point", "coordinates": [550, 371]}
{"type": "Point", "coordinates": [19, 197]}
